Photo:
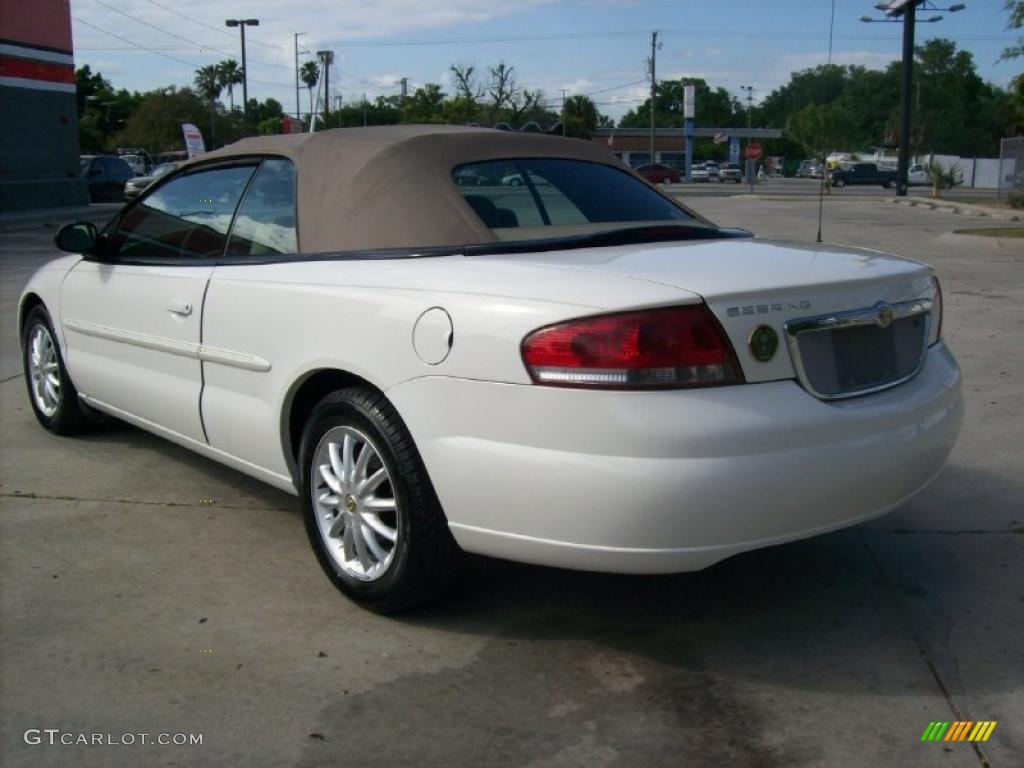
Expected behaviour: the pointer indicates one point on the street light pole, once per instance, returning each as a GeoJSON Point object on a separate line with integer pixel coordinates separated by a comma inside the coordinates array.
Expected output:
{"type": "Point", "coordinates": [750, 122]}
{"type": "Point", "coordinates": [298, 108]}
{"type": "Point", "coordinates": [906, 11]}
{"type": "Point", "coordinates": [906, 80]}
{"type": "Point", "coordinates": [242, 24]}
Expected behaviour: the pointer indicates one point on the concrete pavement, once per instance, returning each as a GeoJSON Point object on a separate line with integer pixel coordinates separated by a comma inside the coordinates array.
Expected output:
{"type": "Point", "coordinates": [145, 589]}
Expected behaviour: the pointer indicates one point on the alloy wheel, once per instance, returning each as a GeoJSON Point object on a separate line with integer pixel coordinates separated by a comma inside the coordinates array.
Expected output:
{"type": "Point", "coordinates": [44, 370]}
{"type": "Point", "coordinates": [353, 497]}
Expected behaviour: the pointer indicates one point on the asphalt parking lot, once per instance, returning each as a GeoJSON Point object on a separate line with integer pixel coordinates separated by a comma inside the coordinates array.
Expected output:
{"type": "Point", "coordinates": [147, 590]}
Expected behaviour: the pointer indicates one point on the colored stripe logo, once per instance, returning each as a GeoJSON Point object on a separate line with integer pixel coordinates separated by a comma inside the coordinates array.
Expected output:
{"type": "Point", "coordinates": [959, 730]}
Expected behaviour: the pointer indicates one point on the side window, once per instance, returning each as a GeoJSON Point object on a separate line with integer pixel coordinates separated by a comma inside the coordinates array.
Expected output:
{"type": "Point", "coordinates": [187, 218]}
{"type": "Point", "coordinates": [265, 223]}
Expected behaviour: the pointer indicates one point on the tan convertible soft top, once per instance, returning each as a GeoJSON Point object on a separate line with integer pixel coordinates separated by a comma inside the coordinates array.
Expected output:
{"type": "Point", "coordinates": [390, 186]}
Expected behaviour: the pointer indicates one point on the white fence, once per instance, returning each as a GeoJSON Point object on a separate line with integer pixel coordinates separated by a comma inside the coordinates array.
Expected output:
{"type": "Point", "coordinates": [978, 172]}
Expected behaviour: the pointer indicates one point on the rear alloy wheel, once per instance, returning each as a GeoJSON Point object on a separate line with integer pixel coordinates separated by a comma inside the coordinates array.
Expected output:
{"type": "Point", "coordinates": [54, 398]}
{"type": "Point", "coordinates": [370, 510]}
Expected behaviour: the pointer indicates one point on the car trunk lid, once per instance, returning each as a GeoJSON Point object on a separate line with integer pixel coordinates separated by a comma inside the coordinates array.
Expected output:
{"type": "Point", "coordinates": [749, 284]}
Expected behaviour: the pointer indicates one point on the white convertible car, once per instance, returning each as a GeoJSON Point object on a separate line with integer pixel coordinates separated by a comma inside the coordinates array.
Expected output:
{"type": "Point", "coordinates": [574, 370]}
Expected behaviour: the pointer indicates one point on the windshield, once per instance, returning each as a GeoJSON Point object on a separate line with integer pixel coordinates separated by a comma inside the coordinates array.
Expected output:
{"type": "Point", "coordinates": [543, 198]}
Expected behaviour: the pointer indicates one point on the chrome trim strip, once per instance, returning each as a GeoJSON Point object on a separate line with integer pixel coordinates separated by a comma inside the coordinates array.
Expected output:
{"type": "Point", "coordinates": [171, 346]}
{"type": "Point", "coordinates": [882, 315]}
{"type": "Point", "coordinates": [233, 359]}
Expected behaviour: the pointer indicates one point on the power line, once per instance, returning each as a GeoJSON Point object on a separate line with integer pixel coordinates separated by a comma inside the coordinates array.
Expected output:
{"type": "Point", "coordinates": [137, 45]}
{"type": "Point", "coordinates": [541, 36]}
{"type": "Point", "coordinates": [179, 37]}
{"type": "Point", "coordinates": [210, 26]}
{"type": "Point", "coordinates": [144, 49]}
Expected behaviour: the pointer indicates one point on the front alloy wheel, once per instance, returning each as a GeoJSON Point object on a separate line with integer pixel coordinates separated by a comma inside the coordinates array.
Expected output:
{"type": "Point", "coordinates": [43, 370]}
{"type": "Point", "coordinates": [51, 392]}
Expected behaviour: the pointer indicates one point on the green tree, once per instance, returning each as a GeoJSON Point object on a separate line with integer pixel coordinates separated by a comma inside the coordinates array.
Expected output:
{"type": "Point", "coordinates": [469, 92]}
{"type": "Point", "coordinates": [426, 105]}
{"type": "Point", "coordinates": [309, 74]}
{"type": "Point", "coordinates": [229, 75]}
{"type": "Point", "coordinates": [102, 111]}
{"type": "Point", "coordinates": [156, 124]}
{"type": "Point", "coordinates": [821, 128]}
{"type": "Point", "coordinates": [581, 117]}
{"type": "Point", "coordinates": [1016, 10]}
{"type": "Point", "coordinates": [209, 86]}
{"type": "Point", "coordinates": [715, 106]}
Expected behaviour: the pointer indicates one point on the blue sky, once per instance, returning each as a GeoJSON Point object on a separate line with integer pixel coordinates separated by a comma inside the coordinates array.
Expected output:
{"type": "Point", "coordinates": [594, 47]}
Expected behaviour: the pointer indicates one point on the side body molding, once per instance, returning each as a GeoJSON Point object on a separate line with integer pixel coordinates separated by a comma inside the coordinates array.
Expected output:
{"type": "Point", "coordinates": [206, 354]}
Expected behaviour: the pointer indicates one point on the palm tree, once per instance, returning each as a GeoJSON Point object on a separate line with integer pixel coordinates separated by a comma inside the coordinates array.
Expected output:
{"type": "Point", "coordinates": [230, 75]}
{"type": "Point", "coordinates": [209, 85]}
{"type": "Point", "coordinates": [310, 75]}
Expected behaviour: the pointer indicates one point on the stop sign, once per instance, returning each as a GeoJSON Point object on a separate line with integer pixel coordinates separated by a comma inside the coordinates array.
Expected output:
{"type": "Point", "coordinates": [752, 151]}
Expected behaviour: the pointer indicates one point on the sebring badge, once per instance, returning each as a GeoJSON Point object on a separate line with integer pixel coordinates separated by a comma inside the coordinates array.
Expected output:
{"type": "Point", "coordinates": [763, 343]}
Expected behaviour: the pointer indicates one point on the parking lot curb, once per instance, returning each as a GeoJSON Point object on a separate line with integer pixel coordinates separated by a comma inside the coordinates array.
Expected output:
{"type": "Point", "coordinates": [965, 209]}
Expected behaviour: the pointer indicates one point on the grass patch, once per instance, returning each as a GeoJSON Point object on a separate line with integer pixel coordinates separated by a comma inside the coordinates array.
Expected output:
{"type": "Point", "coordinates": [993, 232]}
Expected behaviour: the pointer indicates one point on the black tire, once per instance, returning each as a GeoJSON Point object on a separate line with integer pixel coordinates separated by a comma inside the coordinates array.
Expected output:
{"type": "Point", "coordinates": [426, 556]}
{"type": "Point", "coordinates": [70, 416]}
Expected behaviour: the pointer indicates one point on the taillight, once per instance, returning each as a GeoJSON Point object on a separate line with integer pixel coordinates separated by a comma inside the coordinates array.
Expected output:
{"type": "Point", "coordinates": [648, 349]}
{"type": "Point", "coordinates": [935, 332]}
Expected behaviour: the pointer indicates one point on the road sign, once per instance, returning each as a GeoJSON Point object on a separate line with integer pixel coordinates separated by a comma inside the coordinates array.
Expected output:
{"type": "Point", "coordinates": [752, 151]}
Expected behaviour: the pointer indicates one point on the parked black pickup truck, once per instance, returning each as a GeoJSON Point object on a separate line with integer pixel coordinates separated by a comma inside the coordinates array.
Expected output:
{"type": "Point", "coordinates": [863, 173]}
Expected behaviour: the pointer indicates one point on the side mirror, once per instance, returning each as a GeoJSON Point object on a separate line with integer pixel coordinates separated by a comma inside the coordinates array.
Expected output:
{"type": "Point", "coordinates": [80, 237]}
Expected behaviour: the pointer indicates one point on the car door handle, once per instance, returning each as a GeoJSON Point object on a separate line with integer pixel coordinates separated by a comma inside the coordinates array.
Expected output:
{"type": "Point", "coordinates": [183, 308]}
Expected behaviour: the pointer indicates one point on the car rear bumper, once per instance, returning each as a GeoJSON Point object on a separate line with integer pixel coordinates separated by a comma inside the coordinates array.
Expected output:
{"type": "Point", "coordinates": [659, 482]}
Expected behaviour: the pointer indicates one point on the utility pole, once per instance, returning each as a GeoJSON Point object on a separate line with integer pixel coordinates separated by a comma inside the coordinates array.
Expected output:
{"type": "Point", "coordinates": [750, 122]}
{"type": "Point", "coordinates": [242, 24]}
{"type": "Point", "coordinates": [298, 108]}
{"type": "Point", "coordinates": [750, 104]}
{"type": "Point", "coordinates": [563, 111]}
{"type": "Point", "coordinates": [655, 45]}
{"type": "Point", "coordinates": [326, 59]}
{"type": "Point", "coordinates": [906, 10]}
{"type": "Point", "coordinates": [405, 94]}
{"type": "Point", "coordinates": [906, 81]}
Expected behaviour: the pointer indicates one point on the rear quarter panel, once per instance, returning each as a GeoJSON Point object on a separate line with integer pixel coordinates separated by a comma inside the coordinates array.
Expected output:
{"type": "Point", "coordinates": [359, 316]}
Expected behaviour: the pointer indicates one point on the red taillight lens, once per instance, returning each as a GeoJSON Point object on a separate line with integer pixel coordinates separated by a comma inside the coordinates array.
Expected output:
{"type": "Point", "coordinates": [653, 348]}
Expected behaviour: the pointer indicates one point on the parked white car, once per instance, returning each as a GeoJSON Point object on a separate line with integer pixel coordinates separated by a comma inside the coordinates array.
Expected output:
{"type": "Point", "coordinates": [588, 376]}
{"type": "Point", "coordinates": [699, 172]}
{"type": "Point", "coordinates": [918, 176]}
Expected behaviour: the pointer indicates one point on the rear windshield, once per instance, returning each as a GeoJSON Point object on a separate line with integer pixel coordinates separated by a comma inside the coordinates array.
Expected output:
{"type": "Point", "coordinates": [536, 198]}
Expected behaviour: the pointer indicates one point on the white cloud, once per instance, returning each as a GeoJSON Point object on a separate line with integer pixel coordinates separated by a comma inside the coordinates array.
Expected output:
{"type": "Point", "coordinates": [386, 80]}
